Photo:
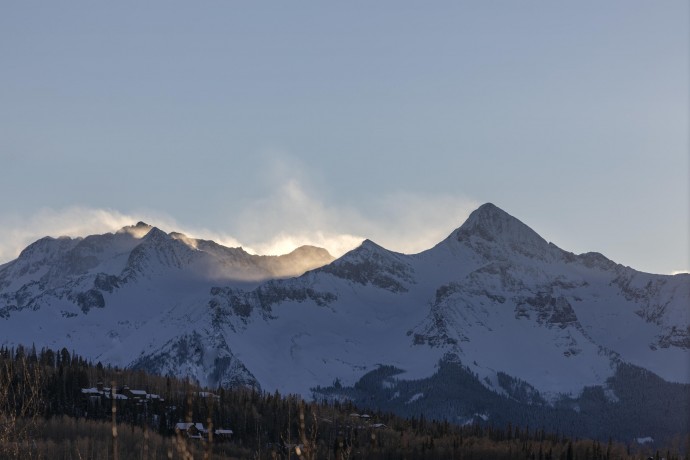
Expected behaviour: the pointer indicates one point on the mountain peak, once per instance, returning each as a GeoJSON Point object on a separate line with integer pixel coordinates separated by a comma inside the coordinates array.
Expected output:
{"type": "Point", "coordinates": [156, 234]}
{"type": "Point", "coordinates": [312, 251]}
{"type": "Point", "coordinates": [365, 250]}
{"type": "Point", "coordinates": [369, 247]}
{"type": "Point", "coordinates": [138, 231]}
{"type": "Point", "coordinates": [488, 213]}
{"type": "Point", "coordinates": [491, 224]}
{"type": "Point", "coordinates": [367, 243]}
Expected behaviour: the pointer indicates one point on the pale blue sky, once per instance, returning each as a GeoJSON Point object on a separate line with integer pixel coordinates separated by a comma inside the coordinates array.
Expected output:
{"type": "Point", "coordinates": [271, 122]}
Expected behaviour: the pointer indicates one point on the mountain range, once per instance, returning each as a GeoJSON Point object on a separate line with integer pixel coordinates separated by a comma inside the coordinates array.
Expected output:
{"type": "Point", "coordinates": [492, 325]}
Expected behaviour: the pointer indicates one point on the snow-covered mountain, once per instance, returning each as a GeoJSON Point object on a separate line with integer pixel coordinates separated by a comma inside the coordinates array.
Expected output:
{"type": "Point", "coordinates": [118, 294]}
{"type": "Point", "coordinates": [528, 321]}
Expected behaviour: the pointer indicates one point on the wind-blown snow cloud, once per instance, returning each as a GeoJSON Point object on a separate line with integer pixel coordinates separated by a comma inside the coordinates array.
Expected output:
{"type": "Point", "coordinates": [18, 232]}
{"type": "Point", "coordinates": [293, 215]}
{"type": "Point", "coordinates": [412, 222]}
{"type": "Point", "coordinates": [296, 210]}
{"type": "Point", "coordinates": [290, 217]}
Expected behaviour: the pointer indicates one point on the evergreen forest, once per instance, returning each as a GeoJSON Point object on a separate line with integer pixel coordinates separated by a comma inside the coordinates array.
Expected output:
{"type": "Point", "coordinates": [57, 405]}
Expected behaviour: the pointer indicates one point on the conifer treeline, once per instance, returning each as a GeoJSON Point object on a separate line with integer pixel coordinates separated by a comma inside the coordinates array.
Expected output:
{"type": "Point", "coordinates": [44, 414]}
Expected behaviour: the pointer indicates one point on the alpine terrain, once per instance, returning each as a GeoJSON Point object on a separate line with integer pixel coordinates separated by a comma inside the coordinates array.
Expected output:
{"type": "Point", "coordinates": [492, 325]}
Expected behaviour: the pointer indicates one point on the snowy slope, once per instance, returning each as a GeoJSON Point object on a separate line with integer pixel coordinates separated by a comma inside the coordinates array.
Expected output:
{"type": "Point", "coordinates": [116, 296]}
{"type": "Point", "coordinates": [494, 296]}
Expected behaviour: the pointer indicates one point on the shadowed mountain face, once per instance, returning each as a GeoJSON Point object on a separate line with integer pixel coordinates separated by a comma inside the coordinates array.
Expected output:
{"type": "Point", "coordinates": [525, 321]}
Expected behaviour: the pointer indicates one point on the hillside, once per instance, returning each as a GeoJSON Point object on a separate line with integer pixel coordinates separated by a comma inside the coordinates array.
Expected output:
{"type": "Point", "coordinates": [494, 310]}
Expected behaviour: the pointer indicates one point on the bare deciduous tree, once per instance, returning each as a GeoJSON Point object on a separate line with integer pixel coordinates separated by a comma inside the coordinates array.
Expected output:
{"type": "Point", "coordinates": [309, 446]}
{"type": "Point", "coordinates": [20, 400]}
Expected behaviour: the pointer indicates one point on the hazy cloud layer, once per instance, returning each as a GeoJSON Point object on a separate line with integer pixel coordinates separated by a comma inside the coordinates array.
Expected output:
{"type": "Point", "coordinates": [293, 215]}
{"type": "Point", "coordinates": [293, 211]}
{"type": "Point", "coordinates": [289, 216]}
{"type": "Point", "coordinates": [296, 210]}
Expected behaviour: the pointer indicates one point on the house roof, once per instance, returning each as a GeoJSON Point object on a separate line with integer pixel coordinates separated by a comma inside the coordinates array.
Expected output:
{"type": "Point", "coordinates": [90, 391]}
{"type": "Point", "coordinates": [184, 426]}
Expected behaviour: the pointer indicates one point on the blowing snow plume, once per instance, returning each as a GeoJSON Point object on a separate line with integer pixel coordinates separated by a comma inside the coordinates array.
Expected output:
{"type": "Point", "coordinates": [401, 221]}
{"type": "Point", "coordinates": [18, 232]}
